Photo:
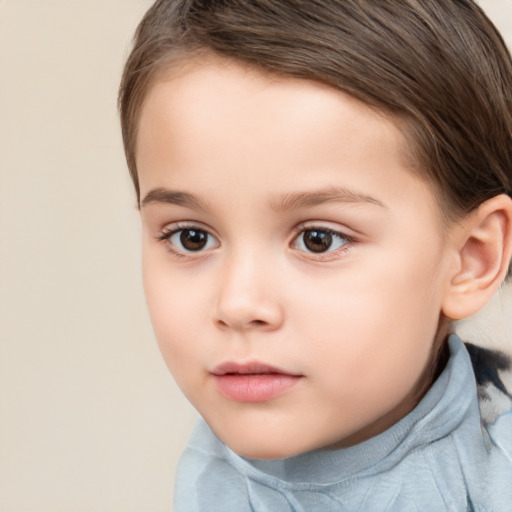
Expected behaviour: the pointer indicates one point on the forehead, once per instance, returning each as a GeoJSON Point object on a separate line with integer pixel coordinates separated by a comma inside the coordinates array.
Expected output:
{"type": "Point", "coordinates": [219, 120]}
{"type": "Point", "coordinates": [204, 94]}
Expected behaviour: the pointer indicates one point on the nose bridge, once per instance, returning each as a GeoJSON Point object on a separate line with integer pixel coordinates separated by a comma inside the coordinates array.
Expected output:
{"type": "Point", "coordinates": [247, 292]}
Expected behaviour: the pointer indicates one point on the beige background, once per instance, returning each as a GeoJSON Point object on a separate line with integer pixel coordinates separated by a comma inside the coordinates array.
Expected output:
{"type": "Point", "coordinates": [90, 420]}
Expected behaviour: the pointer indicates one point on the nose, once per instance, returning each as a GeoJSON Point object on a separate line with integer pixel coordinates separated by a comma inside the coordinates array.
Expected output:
{"type": "Point", "coordinates": [248, 296]}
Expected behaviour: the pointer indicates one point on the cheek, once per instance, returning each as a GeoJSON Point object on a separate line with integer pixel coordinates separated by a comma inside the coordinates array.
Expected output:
{"type": "Point", "coordinates": [369, 298]}
{"type": "Point", "coordinates": [363, 361]}
{"type": "Point", "coordinates": [377, 323]}
{"type": "Point", "coordinates": [175, 306]}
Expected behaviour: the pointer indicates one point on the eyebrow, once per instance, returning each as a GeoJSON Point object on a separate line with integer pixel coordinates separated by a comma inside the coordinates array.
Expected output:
{"type": "Point", "coordinates": [299, 200]}
{"type": "Point", "coordinates": [291, 201]}
{"type": "Point", "coordinates": [165, 196]}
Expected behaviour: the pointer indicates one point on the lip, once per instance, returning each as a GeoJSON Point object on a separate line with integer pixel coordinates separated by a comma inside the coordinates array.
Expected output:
{"type": "Point", "coordinates": [253, 381]}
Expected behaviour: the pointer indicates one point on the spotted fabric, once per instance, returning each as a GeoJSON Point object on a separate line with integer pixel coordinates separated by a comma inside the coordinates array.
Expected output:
{"type": "Point", "coordinates": [491, 367]}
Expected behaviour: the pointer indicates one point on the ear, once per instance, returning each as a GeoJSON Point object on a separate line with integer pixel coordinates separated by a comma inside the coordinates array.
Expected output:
{"type": "Point", "coordinates": [484, 249]}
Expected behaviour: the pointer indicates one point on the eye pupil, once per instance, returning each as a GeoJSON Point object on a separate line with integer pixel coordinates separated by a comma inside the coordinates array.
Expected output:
{"type": "Point", "coordinates": [193, 239]}
{"type": "Point", "coordinates": [317, 241]}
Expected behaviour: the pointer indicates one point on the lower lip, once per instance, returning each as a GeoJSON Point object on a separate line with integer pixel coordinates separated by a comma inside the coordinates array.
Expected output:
{"type": "Point", "coordinates": [254, 387]}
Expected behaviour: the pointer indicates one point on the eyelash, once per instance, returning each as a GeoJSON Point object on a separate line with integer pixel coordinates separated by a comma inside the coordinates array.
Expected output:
{"type": "Point", "coordinates": [167, 233]}
{"type": "Point", "coordinates": [347, 242]}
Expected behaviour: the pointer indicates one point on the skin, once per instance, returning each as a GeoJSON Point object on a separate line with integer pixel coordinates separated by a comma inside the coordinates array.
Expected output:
{"type": "Point", "coordinates": [261, 159]}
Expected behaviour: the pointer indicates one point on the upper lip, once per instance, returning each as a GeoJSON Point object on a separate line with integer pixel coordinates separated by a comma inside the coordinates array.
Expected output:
{"type": "Point", "coordinates": [250, 368]}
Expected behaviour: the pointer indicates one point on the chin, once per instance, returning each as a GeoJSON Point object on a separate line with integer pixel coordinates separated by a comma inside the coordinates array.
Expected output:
{"type": "Point", "coordinates": [264, 453]}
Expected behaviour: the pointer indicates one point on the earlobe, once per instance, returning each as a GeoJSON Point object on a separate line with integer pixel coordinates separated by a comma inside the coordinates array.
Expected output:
{"type": "Point", "coordinates": [484, 239]}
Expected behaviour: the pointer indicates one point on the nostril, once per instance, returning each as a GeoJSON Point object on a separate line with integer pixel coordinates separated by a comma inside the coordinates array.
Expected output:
{"type": "Point", "coordinates": [252, 323]}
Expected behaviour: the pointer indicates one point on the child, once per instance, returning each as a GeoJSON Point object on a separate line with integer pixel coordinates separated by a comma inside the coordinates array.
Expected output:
{"type": "Point", "coordinates": [324, 187]}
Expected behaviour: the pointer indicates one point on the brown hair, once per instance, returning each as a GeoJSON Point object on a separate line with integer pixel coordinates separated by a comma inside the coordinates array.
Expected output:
{"type": "Point", "coordinates": [439, 66]}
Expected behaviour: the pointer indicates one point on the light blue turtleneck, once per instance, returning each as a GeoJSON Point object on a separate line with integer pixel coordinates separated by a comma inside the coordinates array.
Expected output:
{"type": "Point", "coordinates": [437, 458]}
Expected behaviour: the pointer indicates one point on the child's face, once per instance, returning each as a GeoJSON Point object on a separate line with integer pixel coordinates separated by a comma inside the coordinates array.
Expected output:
{"type": "Point", "coordinates": [283, 236]}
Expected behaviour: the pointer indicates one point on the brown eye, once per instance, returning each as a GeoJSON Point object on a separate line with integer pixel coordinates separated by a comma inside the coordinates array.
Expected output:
{"type": "Point", "coordinates": [316, 240]}
{"type": "Point", "coordinates": [189, 240]}
{"type": "Point", "coordinates": [193, 239]}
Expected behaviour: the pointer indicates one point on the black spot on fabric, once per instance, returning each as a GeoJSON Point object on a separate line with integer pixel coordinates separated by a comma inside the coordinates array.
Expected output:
{"type": "Point", "coordinates": [486, 365]}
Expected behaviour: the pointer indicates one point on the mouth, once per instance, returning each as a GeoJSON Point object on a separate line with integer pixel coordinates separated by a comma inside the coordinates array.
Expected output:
{"type": "Point", "coordinates": [252, 382]}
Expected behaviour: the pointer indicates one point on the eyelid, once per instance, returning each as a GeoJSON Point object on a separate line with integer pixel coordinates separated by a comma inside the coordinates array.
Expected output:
{"type": "Point", "coordinates": [186, 224]}
{"type": "Point", "coordinates": [331, 227]}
